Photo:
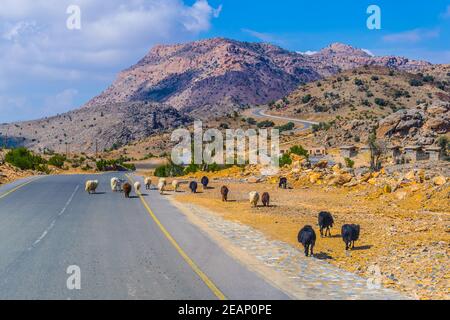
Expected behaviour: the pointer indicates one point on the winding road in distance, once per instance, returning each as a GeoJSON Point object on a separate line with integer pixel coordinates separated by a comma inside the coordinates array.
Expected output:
{"type": "Point", "coordinates": [306, 125]}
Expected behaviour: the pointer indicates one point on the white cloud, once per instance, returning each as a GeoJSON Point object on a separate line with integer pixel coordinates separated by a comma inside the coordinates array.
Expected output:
{"type": "Point", "coordinates": [412, 36]}
{"type": "Point", "coordinates": [266, 37]}
{"type": "Point", "coordinates": [35, 44]}
{"type": "Point", "coordinates": [370, 53]}
{"type": "Point", "coordinates": [308, 52]}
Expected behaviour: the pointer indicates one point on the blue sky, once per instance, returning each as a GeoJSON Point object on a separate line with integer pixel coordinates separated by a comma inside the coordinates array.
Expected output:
{"type": "Point", "coordinates": [47, 69]}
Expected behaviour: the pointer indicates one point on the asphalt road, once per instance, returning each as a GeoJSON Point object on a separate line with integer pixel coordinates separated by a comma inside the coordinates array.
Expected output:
{"type": "Point", "coordinates": [122, 252]}
{"type": "Point", "coordinates": [306, 125]}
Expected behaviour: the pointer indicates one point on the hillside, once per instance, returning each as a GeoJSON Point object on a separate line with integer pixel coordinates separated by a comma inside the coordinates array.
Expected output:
{"type": "Point", "coordinates": [405, 107]}
{"type": "Point", "coordinates": [99, 128]}
{"type": "Point", "coordinates": [219, 75]}
{"type": "Point", "coordinates": [172, 83]}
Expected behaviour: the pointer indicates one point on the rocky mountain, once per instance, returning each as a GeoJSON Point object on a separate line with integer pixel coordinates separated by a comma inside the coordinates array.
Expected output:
{"type": "Point", "coordinates": [218, 75]}
{"type": "Point", "coordinates": [204, 79]}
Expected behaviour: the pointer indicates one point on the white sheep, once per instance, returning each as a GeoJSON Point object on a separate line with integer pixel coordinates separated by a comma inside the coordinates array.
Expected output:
{"type": "Point", "coordinates": [91, 186]}
{"type": "Point", "coordinates": [114, 184]}
{"type": "Point", "coordinates": [148, 183]}
{"type": "Point", "coordinates": [137, 187]}
{"type": "Point", "coordinates": [175, 185]}
{"type": "Point", "coordinates": [161, 185]}
{"type": "Point", "coordinates": [254, 198]}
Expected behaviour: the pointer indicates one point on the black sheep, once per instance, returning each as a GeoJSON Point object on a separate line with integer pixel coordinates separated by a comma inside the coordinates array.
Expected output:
{"type": "Point", "coordinates": [205, 182]}
{"type": "Point", "coordinates": [307, 237]}
{"type": "Point", "coordinates": [224, 192]}
{"type": "Point", "coordinates": [265, 199]}
{"type": "Point", "coordinates": [326, 222]}
{"type": "Point", "coordinates": [193, 186]}
{"type": "Point", "coordinates": [283, 183]}
{"type": "Point", "coordinates": [350, 234]}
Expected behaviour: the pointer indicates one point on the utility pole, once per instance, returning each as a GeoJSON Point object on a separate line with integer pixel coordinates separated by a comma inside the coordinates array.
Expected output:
{"type": "Point", "coordinates": [96, 149]}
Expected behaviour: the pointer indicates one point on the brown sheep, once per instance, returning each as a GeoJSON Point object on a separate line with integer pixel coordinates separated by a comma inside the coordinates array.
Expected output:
{"type": "Point", "coordinates": [127, 189]}
{"type": "Point", "coordinates": [224, 192]}
{"type": "Point", "coordinates": [265, 199]}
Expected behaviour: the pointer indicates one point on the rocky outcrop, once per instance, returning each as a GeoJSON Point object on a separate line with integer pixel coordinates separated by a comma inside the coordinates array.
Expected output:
{"type": "Point", "coordinates": [401, 122]}
{"type": "Point", "coordinates": [420, 126]}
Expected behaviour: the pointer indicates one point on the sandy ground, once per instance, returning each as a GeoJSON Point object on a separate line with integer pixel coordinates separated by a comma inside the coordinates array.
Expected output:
{"type": "Point", "coordinates": [406, 240]}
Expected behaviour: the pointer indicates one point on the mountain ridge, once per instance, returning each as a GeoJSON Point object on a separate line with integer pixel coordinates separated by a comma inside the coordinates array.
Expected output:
{"type": "Point", "coordinates": [200, 79]}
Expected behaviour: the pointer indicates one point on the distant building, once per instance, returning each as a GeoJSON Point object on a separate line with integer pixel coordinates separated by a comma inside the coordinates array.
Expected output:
{"type": "Point", "coordinates": [434, 153]}
{"type": "Point", "coordinates": [317, 152]}
{"type": "Point", "coordinates": [415, 153]}
{"type": "Point", "coordinates": [348, 151]}
{"type": "Point", "coordinates": [394, 153]}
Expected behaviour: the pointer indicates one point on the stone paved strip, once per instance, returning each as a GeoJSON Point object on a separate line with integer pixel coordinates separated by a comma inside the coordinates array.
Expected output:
{"type": "Point", "coordinates": [311, 278]}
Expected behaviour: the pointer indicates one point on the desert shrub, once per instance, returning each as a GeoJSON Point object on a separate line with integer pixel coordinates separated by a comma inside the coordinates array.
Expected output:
{"type": "Point", "coordinates": [286, 127]}
{"type": "Point", "coordinates": [381, 102]}
{"type": "Point", "coordinates": [349, 163]}
{"type": "Point", "coordinates": [251, 121]}
{"type": "Point", "coordinates": [265, 124]}
{"type": "Point", "coordinates": [306, 99]}
{"type": "Point", "coordinates": [300, 151]}
{"type": "Point", "coordinates": [169, 170]}
{"type": "Point", "coordinates": [285, 159]}
{"type": "Point", "coordinates": [416, 83]}
{"type": "Point", "coordinates": [321, 126]}
{"type": "Point", "coordinates": [24, 159]}
{"type": "Point", "coordinates": [359, 82]}
{"type": "Point", "coordinates": [57, 160]}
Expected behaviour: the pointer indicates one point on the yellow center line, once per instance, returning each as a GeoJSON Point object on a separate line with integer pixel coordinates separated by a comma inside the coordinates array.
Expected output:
{"type": "Point", "coordinates": [17, 188]}
{"type": "Point", "coordinates": [183, 254]}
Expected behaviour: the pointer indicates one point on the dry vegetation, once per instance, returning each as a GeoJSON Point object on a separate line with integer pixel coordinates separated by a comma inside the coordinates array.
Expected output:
{"type": "Point", "coordinates": [406, 232]}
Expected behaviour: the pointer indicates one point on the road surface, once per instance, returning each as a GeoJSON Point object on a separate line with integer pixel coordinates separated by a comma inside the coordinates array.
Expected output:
{"type": "Point", "coordinates": [306, 125]}
{"type": "Point", "coordinates": [121, 250]}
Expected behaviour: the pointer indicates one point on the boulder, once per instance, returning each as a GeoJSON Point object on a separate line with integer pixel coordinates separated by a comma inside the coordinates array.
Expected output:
{"type": "Point", "coordinates": [401, 122]}
{"type": "Point", "coordinates": [439, 181]}
{"type": "Point", "coordinates": [340, 179]}
{"type": "Point", "coordinates": [322, 164]}
{"type": "Point", "coordinates": [314, 177]}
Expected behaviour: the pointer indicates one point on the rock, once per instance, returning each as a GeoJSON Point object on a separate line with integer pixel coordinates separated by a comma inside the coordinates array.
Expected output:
{"type": "Point", "coordinates": [314, 177]}
{"type": "Point", "coordinates": [439, 125]}
{"type": "Point", "coordinates": [336, 168]}
{"type": "Point", "coordinates": [411, 175]}
{"type": "Point", "coordinates": [401, 195]}
{"type": "Point", "coordinates": [366, 177]}
{"type": "Point", "coordinates": [254, 180]}
{"type": "Point", "coordinates": [401, 122]}
{"type": "Point", "coordinates": [322, 164]}
{"type": "Point", "coordinates": [439, 181]}
{"type": "Point", "coordinates": [340, 180]}
{"type": "Point", "coordinates": [352, 183]}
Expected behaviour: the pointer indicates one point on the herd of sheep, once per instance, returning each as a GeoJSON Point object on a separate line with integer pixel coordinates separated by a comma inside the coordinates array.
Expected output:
{"type": "Point", "coordinates": [307, 236]}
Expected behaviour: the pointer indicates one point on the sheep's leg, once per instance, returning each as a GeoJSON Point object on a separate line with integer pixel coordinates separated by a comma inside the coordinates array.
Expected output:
{"type": "Point", "coordinates": [312, 250]}
{"type": "Point", "coordinates": [306, 250]}
{"type": "Point", "coordinates": [321, 232]}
